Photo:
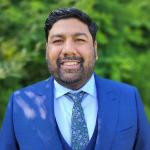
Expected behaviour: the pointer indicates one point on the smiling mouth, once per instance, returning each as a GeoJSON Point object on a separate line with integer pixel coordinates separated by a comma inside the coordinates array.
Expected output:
{"type": "Point", "coordinates": [70, 63]}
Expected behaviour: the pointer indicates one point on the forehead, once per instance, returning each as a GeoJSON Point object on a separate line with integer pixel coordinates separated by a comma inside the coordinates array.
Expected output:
{"type": "Point", "coordinates": [69, 26]}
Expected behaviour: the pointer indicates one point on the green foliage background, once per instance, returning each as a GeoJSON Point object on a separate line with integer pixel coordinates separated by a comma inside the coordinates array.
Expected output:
{"type": "Point", "coordinates": [123, 42]}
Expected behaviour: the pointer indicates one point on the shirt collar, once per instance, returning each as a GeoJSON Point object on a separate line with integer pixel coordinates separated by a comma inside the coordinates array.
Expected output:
{"type": "Point", "coordinates": [61, 90]}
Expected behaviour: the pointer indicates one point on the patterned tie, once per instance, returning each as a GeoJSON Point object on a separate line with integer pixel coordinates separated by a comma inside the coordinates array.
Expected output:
{"type": "Point", "coordinates": [79, 131]}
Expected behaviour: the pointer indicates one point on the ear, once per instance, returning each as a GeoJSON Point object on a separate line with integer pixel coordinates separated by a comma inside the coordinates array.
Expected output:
{"type": "Point", "coordinates": [46, 47]}
{"type": "Point", "coordinates": [95, 48]}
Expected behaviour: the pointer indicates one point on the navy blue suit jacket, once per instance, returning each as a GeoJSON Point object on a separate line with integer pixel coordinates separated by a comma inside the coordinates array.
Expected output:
{"type": "Point", "coordinates": [29, 122]}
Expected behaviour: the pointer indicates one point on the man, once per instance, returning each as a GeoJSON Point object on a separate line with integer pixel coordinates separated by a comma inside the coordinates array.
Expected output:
{"type": "Point", "coordinates": [74, 108]}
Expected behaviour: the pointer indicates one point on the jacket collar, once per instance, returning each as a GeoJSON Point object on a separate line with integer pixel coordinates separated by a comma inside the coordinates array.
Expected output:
{"type": "Point", "coordinates": [108, 104]}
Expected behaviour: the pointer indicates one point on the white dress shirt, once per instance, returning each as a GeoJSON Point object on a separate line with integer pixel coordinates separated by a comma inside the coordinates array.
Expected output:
{"type": "Point", "coordinates": [63, 108]}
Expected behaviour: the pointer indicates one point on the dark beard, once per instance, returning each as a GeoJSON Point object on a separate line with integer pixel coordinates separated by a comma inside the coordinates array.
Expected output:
{"type": "Point", "coordinates": [69, 80]}
{"type": "Point", "coordinates": [73, 79]}
{"type": "Point", "coordinates": [79, 73]}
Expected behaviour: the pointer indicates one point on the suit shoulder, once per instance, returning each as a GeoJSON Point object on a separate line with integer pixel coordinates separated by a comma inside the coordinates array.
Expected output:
{"type": "Point", "coordinates": [116, 84]}
{"type": "Point", "coordinates": [33, 87]}
{"type": "Point", "coordinates": [119, 84]}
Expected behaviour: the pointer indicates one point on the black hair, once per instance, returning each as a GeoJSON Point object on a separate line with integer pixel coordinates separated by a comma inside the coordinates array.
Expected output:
{"type": "Point", "coordinates": [64, 13]}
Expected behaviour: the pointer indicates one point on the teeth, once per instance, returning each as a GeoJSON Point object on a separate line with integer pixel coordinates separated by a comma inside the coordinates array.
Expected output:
{"type": "Point", "coordinates": [70, 63]}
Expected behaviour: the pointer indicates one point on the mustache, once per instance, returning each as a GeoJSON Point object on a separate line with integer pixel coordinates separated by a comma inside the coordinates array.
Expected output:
{"type": "Point", "coordinates": [60, 60]}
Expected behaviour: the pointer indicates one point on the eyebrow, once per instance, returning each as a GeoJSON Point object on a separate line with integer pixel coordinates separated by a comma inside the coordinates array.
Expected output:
{"type": "Point", "coordinates": [60, 35]}
{"type": "Point", "coordinates": [56, 35]}
{"type": "Point", "coordinates": [81, 34]}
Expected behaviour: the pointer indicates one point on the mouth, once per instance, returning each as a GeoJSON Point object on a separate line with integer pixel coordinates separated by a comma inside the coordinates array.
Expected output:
{"type": "Point", "coordinates": [70, 64]}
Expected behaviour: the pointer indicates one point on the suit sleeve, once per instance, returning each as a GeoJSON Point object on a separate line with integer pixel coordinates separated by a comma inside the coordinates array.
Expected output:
{"type": "Point", "coordinates": [7, 135]}
{"type": "Point", "coordinates": [143, 133]}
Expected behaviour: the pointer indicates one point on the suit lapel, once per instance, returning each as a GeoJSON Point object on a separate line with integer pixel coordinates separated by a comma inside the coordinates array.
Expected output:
{"type": "Point", "coordinates": [47, 128]}
{"type": "Point", "coordinates": [107, 116]}
{"type": "Point", "coordinates": [108, 105]}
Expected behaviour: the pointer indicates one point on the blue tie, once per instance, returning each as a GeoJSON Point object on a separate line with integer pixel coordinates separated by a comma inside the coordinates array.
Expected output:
{"type": "Point", "coordinates": [79, 131]}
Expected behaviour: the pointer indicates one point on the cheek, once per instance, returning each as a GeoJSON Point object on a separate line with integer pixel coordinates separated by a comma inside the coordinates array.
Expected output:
{"type": "Point", "coordinates": [88, 55]}
{"type": "Point", "coordinates": [52, 55]}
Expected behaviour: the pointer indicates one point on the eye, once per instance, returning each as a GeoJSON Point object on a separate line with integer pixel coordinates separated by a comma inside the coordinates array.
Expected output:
{"type": "Point", "coordinates": [80, 40]}
{"type": "Point", "coordinates": [58, 41]}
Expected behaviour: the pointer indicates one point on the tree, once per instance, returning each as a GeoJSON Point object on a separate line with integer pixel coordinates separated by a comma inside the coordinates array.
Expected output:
{"type": "Point", "coordinates": [123, 42]}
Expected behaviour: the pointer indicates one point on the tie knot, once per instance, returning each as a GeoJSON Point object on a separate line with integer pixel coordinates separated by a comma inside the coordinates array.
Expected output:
{"type": "Point", "coordinates": [75, 97]}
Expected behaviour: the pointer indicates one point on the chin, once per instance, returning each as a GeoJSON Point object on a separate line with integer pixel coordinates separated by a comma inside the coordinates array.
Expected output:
{"type": "Point", "coordinates": [70, 79]}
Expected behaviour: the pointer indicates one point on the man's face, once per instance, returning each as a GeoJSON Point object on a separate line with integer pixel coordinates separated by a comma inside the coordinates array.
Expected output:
{"type": "Point", "coordinates": [70, 52]}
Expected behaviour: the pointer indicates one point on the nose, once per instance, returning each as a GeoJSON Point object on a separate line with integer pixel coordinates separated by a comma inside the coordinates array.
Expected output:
{"type": "Point", "coordinates": [69, 48]}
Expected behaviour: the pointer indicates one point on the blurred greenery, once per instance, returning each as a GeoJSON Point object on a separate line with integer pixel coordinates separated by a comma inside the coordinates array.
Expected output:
{"type": "Point", "coordinates": [123, 42]}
